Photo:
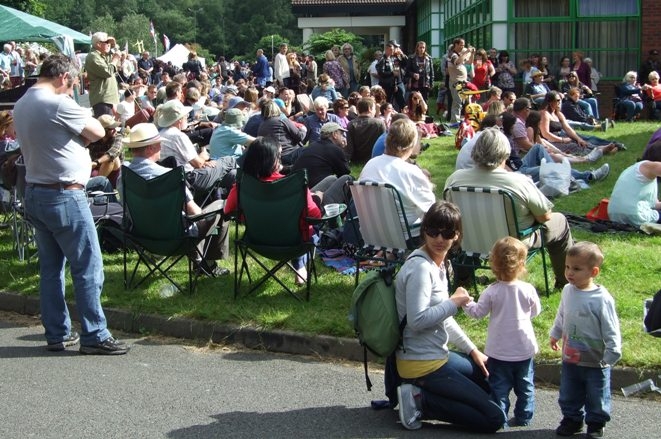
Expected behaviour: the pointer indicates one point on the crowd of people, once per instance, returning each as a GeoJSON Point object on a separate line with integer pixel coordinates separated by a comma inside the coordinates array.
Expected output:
{"type": "Point", "coordinates": [273, 118]}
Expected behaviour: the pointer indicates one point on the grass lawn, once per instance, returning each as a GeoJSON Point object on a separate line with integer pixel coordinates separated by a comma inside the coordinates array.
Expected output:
{"type": "Point", "coordinates": [630, 272]}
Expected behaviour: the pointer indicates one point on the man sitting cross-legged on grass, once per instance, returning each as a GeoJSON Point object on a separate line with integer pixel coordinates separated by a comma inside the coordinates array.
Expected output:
{"type": "Point", "coordinates": [145, 144]}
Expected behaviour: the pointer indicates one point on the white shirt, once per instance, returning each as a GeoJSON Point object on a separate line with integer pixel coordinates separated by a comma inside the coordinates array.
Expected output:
{"type": "Point", "coordinates": [178, 145]}
{"type": "Point", "coordinates": [280, 67]}
{"type": "Point", "coordinates": [416, 190]}
{"type": "Point", "coordinates": [372, 71]}
{"type": "Point", "coordinates": [125, 110]}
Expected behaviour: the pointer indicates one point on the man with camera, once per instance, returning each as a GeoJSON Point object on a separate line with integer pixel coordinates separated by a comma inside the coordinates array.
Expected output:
{"type": "Point", "coordinates": [458, 56]}
{"type": "Point", "coordinates": [389, 68]}
{"type": "Point", "coordinates": [101, 66]}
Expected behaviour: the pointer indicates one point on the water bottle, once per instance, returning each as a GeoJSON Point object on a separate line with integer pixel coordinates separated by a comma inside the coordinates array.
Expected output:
{"type": "Point", "coordinates": [643, 386]}
{"type": "Point", "coordinates": [167, 290]}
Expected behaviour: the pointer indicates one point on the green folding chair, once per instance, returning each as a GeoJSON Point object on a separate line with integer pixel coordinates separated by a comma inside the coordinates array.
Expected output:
{"type": "Point", "coordinates": [487, 215]}
{"type": "Point", "coordinates": [271, 213]}
{"type": "Point", "coordinates": [155, 227]}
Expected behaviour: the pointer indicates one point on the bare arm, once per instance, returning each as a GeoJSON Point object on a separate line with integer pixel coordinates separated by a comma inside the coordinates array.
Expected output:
{"type": "Point", "coordinates": [569, 130]}
{"type": "Point", "coordinates": [543, 218]}
{"type": "Point", "coordinates": [93, 130]}
{"type": "Point", "coordinates": [650, 170]}
{"type": "Point", "coordinates": [192, 208]}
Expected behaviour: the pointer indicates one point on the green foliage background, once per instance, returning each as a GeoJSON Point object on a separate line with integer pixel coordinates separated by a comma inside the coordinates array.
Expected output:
{"type": "Point", "coordinates": [228, 27]}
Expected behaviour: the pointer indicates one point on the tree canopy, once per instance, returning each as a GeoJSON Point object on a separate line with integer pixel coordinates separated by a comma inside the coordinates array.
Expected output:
{"type": "Point", "coordinates": [231, 27]}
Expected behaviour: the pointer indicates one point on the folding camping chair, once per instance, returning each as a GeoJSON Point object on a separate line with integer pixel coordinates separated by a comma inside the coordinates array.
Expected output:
{"type": "Point", "coordinates": [155, 226]}
{"type": "Point", "coordinates": [488, 214]}
{"type": "Point", "coordinates": [271, 213]}
{"type": "Point", "coordinates": [386, 235]}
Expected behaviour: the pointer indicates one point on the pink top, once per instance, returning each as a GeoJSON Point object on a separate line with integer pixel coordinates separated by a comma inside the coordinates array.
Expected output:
{"type": "Point", "coordinates": [512, 306]}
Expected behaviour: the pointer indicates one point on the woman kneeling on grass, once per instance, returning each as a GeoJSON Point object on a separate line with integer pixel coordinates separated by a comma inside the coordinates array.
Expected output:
{"type": "Point", "coordinates": [439, 384]}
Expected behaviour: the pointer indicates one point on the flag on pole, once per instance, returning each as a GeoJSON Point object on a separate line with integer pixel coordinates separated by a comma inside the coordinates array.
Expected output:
{"type": "Point", "coordinates": [152, 32]}
{"type": "Point", "coordinates": [166, 42]}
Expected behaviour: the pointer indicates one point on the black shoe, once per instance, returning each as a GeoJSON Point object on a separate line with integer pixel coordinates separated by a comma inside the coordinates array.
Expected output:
{"type": "Point", "coordinates": [595, 431]}
{"type": "Point", "coordinates": [72, 339]}
{"type": "Point", "coordinates": [569, 427]}
{"type": "Point", "coordinates": [110, 346]}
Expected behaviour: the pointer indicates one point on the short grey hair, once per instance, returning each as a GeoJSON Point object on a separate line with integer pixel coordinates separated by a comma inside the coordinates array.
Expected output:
{"type": "Point", "coordinates": [491, 149]}
{"type": "Point", "coordinates": [321, 101]}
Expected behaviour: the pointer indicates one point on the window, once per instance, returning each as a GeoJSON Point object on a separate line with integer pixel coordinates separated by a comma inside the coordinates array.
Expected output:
{"type": "Point", "coordinates": [601, 8]}
{"type": "Point", "coordinates": [541, 8]}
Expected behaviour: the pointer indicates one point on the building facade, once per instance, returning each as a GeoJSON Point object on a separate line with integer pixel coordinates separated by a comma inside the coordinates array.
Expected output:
{"type": "Point", "coordinates": [616, 34]}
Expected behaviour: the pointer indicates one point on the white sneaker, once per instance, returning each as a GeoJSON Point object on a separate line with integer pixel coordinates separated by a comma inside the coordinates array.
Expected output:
{"type": "Point", "coordinates": [594, 155]}
{"type": "Point", "coordinates": [409, 415]}
{"type": "Point", "coordinates": [601, 172]}
{"type": "Point", "coordinates": [301, 276]}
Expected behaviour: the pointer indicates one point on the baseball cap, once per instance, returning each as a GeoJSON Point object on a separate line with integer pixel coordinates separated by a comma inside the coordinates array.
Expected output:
{"type": "Point", "coordinates": [331, 127]}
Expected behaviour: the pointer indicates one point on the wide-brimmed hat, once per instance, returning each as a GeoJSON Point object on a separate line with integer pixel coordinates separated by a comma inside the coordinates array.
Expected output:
{"type": "Point", "coordinates": [331, 127]}
{"type": "Point", "coordinates": [233, 118]}
{"type": "Point", "coordinates": [536, 73]}
{"type": "Point", "coordinates": [142, 134]}
{"type": "Point", "coordinates": [108, 122]}
{"type": "Point", "coordinates": [172, 111]}
{"type": "Point", "coordinates": [101, 37]}
{"type": "Point", "coordinates": [392, 43]}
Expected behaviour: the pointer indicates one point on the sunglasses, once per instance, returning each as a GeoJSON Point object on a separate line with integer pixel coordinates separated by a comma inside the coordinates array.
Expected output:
{"type": "Point", "coordinates": [445, 233]}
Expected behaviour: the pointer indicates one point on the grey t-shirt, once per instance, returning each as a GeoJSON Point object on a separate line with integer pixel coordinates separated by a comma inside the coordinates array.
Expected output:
{"type": "Point", "coordinates": [48, 126]}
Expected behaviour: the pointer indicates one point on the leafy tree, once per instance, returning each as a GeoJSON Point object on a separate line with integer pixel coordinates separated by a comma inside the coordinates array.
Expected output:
{"type": "Point", "coordinates": [134, 28]}
{"type": "Point", "coordinates": [318, 44]}
{"type": "Point", "coordinates": [103, 23]}
{"type": "Point", "coordinates": [33, 7]}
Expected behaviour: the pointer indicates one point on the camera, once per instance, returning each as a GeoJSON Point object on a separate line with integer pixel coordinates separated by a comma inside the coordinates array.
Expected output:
{"type": "Point", "coordinates": [114, 50]}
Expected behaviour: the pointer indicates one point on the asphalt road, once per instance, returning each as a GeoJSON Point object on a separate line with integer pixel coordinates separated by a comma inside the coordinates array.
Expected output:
{"type": "Point", "coordinates": [173, 389]}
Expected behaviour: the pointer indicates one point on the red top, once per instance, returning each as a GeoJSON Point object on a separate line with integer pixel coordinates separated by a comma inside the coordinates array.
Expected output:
{"type": "Point", "coordinates": [312, 210]}
{"type": "Point", "coordinates": [655, 92]}
{"type": "Point", "coordinates": [480, 74]}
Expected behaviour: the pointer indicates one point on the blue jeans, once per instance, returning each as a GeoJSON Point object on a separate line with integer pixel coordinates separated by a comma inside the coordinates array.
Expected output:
{"type": "Point", "coordinates": [64, 230]}
{"type": "Point", "coordinates": [585, 387]}
{"type": "Point", "coordinates": [631, 108]}
{"type": "Point", "coordinates": [532, 160]}
{"type": "Point", "coordinates": [592, 140]}
{"type": "Point", "coordinates": [519, 376]}
{"type": "Point", "coordinates": [458, 393]}
{"type": "Point", "coordinates": [590, 106]}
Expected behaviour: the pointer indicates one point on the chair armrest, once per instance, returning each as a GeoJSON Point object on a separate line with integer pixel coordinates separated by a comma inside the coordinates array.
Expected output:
{"type": "Point", "coordinates": [92, 194]}
{"type": "Point", "coordinates": [530, 230]}
{"type": "Point", "coordinates": [205, 215]}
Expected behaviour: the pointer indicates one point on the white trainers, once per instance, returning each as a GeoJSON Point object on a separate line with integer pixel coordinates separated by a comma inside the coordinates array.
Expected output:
{"type": "Point", "coordinates": [409, 414]}
{"type": "Point", "coordinates": [301, 276]}
{"type": "Point", "coordinates": [601, 172]}
{"type": "Point", "coordinates": [594, 155]}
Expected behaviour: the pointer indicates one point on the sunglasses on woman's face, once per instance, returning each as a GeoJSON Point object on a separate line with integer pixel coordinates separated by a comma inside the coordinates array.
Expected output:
{"type": "Point", "coordinates": [445, 233]}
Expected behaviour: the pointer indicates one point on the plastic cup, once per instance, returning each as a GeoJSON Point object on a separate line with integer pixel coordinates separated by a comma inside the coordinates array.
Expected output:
{"type": "Point", "coordinates": [332, 210]}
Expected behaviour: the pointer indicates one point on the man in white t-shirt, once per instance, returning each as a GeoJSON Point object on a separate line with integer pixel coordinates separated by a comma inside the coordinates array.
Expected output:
{"type": "Point", "coordinates": [374, 75]}
{"type": "Point", "coordinates": [202, 173]}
